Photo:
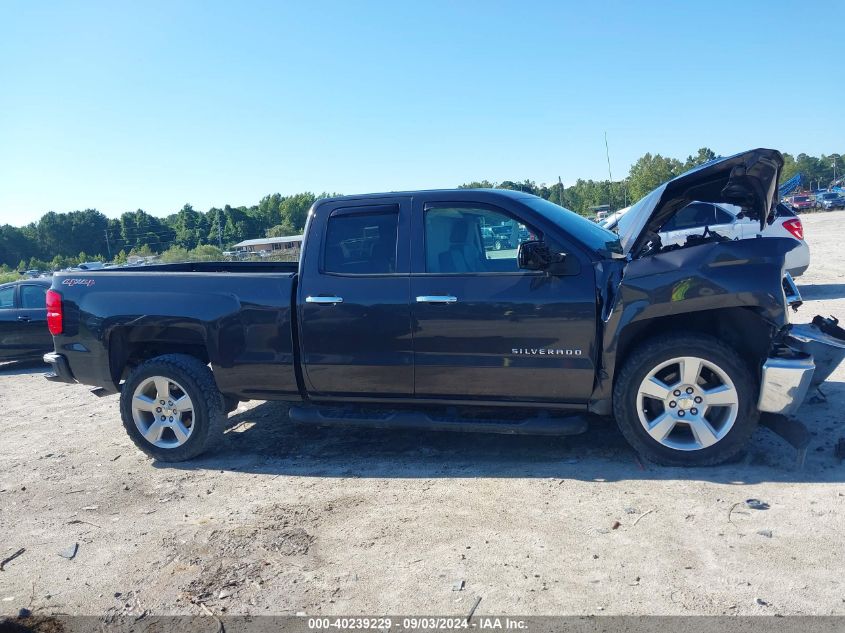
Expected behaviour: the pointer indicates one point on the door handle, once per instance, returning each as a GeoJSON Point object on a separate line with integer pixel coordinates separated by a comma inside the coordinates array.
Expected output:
{"type": "Point", "coordinates": [324, 300]}
{"type": "Point", "coordinates": [25, 319]}
{"type": "Point", "coordinates": [437, 299]}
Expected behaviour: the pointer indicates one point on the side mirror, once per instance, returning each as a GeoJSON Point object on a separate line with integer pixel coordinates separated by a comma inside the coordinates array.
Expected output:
{"type": "Point", "coordinates": [535, 255]}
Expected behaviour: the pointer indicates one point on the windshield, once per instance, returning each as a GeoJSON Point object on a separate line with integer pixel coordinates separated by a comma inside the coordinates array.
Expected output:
{"type": "Point", "coordinates": [594, 236]}
{"type": "Point", "coordinates": [828, 196]}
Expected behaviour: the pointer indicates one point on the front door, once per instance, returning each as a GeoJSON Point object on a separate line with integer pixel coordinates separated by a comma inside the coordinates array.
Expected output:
{"type": "Point", "coordinates": [355, 329]}
{"type": "Point", "coordinates": [483, 328]}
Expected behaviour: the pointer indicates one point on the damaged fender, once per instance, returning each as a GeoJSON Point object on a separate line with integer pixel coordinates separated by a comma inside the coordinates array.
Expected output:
{"type": "Point", "coordinates": [711, 276]}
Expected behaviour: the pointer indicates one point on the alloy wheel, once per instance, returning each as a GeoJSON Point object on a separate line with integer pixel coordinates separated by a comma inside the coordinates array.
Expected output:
{"type": "Point", "coordinates": [687, 403]}
{"type": "Point", "coordinates": [163, 412]}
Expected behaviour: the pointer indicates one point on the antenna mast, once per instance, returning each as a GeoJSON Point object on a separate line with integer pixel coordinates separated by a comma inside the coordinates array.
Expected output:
{"type": "Point", "coordinates": [610, 175]}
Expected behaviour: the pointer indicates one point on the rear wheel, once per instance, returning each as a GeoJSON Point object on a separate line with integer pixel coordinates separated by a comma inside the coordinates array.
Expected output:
{"type": "Point", "coordinates": [171, 407]}
{"type": "Point", "coordinates": [686, 400]}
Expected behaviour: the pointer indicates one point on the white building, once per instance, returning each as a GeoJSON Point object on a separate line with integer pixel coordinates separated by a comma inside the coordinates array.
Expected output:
{"type": "Point", "coordinates": [269, 244]}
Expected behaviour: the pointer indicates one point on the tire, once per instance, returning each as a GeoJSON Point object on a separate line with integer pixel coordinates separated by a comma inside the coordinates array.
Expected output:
{"type": "Point", "coordinates": [195, 429]}
{"type": "Point", "coordinates": [721, 375]}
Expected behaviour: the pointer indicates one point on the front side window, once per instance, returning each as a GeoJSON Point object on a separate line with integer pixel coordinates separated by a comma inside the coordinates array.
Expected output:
{"type": "Point", "coordinates": [33, 297]}
{"type": "Point", "coordinates": [362, 243]}
{"type": "Point", "coordinates": [723, 217]}
{"type": "Point", "coordinates": [7, 297]}
{"type": "Point", "coordinates": [473, 239]}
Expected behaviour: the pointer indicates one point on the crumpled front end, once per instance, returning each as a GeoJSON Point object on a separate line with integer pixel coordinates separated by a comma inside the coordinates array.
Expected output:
{"type": "Point", "coordinates": [805, 355]}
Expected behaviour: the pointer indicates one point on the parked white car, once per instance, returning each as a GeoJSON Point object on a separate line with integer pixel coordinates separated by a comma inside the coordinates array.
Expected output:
{"type": "Point", "coordinates": [723, 219]}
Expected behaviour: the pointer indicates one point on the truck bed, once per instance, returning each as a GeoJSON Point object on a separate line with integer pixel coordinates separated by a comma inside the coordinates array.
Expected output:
{"type": "Point", "coordinates": [238, 316]}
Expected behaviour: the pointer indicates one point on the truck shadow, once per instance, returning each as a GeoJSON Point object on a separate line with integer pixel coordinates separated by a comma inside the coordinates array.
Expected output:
{"type": "Point", "coordinates": [262, 440]}
{"type": "Point", "coordinates": [811, 292]}
{"type": "Point", "coordinates": [23, 367]}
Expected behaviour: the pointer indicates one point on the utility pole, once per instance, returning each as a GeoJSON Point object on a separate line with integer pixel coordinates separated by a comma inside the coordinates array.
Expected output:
{"type": "Point", "coordinates": [108, 246]}
{"type": "Point", "coordinates": [560, 191]}
{"type": "Point", "coordinates": [219, 229]}
{"type": "Point", "coordinates": [609, 173]}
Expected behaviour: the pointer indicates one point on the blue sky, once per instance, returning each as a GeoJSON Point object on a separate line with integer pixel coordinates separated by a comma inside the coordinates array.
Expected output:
{"type": "Point", "coordinates": [119, 105]}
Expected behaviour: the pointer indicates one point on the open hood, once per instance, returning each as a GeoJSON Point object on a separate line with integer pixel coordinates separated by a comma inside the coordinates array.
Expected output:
{"type": "Point", "coordinates": [748, 180]}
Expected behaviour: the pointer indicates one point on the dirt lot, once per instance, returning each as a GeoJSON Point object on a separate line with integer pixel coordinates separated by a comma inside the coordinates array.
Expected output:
{"type": "Point", "coordinates": [284, 520]}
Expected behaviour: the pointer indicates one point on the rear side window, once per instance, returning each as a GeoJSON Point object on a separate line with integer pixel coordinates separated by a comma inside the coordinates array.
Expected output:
{"type": "Point", "coordinates": [695, 215]}
{"type": "Point", "coordinates": [783, 211]}
{"type": "Point", "coordinates": [7, 297]}
{"type": "Point", "coordinates": [361, 241]}
{"type": "Point", "coordinates": [33, 297]}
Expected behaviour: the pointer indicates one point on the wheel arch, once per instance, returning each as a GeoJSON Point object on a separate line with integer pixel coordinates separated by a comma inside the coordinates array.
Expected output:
{"type": "Point", "coordinates": [129, 346]}
{"type": "Point", "coordinates": [742, 328]}
{"type": "Point", "coordinates": [745, 328]}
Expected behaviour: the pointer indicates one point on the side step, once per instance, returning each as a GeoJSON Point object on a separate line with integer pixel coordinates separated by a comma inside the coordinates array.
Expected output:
{"type": "Point", "coordinates": [539, 425]}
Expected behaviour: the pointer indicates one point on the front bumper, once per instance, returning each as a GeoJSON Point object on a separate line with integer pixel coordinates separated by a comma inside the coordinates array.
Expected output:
{"type": "Point", "coordinates": [809, 354]}
{"type": "Point", "coordinates": [60, 370]}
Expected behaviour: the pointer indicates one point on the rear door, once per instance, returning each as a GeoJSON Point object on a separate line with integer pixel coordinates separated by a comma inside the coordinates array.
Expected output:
{"type": "Point", "coordinates": [483, 328]}
{"type": "Point", "coordinates": [32, 313]}
{"type": "Point", "coordinates": [353, 301]}
{"type": "Point", "coordinates": [11, 330]}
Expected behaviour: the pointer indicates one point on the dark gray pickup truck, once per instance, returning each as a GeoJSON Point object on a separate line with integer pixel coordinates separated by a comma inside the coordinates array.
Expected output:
{"type": "Point", "coordinates": [403, 313]}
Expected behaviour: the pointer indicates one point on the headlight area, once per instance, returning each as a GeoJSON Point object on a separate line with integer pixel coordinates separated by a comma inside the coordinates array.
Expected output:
{"type": "Point", "coordinates": [791, 295]}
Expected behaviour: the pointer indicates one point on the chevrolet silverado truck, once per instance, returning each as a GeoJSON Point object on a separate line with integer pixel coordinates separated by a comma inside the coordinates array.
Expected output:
{"type": "Point", "coordinates": [400, 315]}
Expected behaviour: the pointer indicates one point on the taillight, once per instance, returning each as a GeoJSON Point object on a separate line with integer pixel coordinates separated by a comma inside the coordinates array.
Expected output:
{"type": "Point", "coordinates": [54, 312]}
{"type": "Point", "coordinates": [795, 227]}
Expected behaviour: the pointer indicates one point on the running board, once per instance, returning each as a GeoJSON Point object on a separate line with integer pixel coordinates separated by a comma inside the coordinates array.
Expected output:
{"type": "Point", "coordinates": [539, 425]}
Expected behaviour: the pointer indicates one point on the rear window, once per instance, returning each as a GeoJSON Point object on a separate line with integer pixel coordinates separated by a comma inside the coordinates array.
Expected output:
{"type": "Point", "coordinates": [361, 241]}
{"type": "Point", "coordinates": [7, 297]}
{"type": "Point", "coordinates": [33, 297]}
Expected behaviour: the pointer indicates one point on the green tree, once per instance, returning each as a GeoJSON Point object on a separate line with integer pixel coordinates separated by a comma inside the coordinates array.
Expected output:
{"type": "Point", "coordinates": [649, 172]}
{"type": "Point", "coordinates": [281, 230]}
{"type": "Point", "coordinates": [478, 184]}
{"type": "Point", "coordinates": [268, 209]}
{"type": "Point", "coordinates": [704, 155]}
{"type": "Point", "coordinates": [294, 210]}
{"type": "Point", "coordinates": [174, 254]}
{"type": "Point", "coordinates": [189, 227]}
{"type": "Point", "coordinates": [142, 251]}
{"type": "Point", "coordinates": [206, 252]}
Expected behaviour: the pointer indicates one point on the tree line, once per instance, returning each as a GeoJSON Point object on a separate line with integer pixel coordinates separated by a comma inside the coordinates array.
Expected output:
{"type": "Point", "coordinates": [59, 240]}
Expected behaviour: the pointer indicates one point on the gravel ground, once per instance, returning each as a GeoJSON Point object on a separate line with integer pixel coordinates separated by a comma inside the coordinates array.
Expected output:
{"type": "Point", "coordinates": [284, 520]}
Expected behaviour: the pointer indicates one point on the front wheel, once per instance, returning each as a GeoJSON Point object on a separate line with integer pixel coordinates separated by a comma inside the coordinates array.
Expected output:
{"type": "Point", "coordinates": [686, 400]}
{"type": "Point", "coordinates": [171, 407]}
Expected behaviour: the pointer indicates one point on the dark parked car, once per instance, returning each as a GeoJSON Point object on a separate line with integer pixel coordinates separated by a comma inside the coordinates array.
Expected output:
{"type": "Point", "coordinates": [487, 239]}
{"type": "Point", "coordinates": [830, 200]}
{"type": "Point", "coordinates": [397, 316]}
{"type": "Point", "coordinates": [23, 320]}
{"type": "Point", "coordinates": [503, 237]}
